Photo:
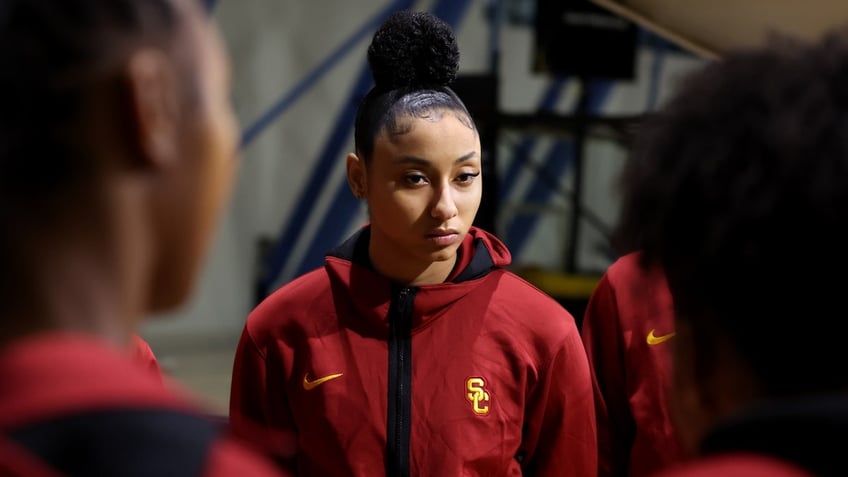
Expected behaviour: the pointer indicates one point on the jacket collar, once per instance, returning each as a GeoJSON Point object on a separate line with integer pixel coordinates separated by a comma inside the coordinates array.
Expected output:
{"type": "Point", "coordinates": [357, 286]}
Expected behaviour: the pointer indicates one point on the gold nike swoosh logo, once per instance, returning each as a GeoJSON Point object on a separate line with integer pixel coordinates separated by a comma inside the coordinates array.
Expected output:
{"type": "Point", "coordinates": [655, 340]}
{"type": "Point", "coordinates": [310, 385]}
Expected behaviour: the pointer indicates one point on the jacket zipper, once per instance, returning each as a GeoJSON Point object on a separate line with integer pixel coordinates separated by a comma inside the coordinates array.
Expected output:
{"type": "Point", "coordinates": [400, 383]}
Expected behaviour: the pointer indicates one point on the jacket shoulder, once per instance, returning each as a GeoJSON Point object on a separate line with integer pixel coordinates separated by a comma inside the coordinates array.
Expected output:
{"type": "Point", "coordinates": [532, 309]}
{"type": "Point", "coordinates": [628, 270]}
{"type": "Point", "coordinates": [289, 302]}
{"type": "Point", "coordinates": [521, 291]}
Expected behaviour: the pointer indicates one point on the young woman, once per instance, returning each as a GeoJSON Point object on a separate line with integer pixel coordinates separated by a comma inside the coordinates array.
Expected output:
{"type": "Point", "coordinates": [117, 150]}
{"type": "Point", "coordinates": [412, 351]}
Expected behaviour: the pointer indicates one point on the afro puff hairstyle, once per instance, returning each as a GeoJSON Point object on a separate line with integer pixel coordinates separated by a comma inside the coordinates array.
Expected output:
{"type": "Point", "coordinates": [413, 58]}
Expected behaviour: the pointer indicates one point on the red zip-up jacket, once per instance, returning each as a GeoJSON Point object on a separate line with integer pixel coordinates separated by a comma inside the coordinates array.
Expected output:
{"type": "Point", "coordinates": [342, 372]}
{"type": "Point", "coordinates": [626, 330]}
{"type": "Point", "coordinates": [73, 405]}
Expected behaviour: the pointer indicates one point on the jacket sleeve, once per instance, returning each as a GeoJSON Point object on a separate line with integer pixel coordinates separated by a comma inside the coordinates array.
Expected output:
{"type": "Point", "coordinates": [259, 409]}
{"type": "Point", "coordinates": [560, 436]}
{"type": "Point", "coordinates": [605, 350]}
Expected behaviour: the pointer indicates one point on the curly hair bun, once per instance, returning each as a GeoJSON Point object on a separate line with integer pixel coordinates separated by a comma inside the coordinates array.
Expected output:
{"type": "Point", "coordinates": [413, 49]}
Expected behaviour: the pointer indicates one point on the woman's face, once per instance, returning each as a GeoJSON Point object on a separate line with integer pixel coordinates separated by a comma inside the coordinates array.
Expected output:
{"type": "Point", "coordinates": [424, 188]}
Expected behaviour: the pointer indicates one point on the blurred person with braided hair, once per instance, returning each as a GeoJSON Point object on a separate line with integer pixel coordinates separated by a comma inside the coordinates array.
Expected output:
{"type": "Point", "coordinates": [118, 147]}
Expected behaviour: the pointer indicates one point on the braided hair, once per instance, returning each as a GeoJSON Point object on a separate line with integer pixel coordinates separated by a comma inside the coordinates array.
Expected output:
{"type": "Point", "coordinates": [413, 58]}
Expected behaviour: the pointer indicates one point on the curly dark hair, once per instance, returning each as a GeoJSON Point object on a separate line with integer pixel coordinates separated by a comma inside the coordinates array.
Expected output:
{"type": "Point", "coordinates": [413, 58]}
{"type": "Point", "coordinates": [738, 187]}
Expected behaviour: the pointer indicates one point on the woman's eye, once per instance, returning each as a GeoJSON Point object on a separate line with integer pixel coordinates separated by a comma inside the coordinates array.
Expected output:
{"type": "Point", "coordinates": [467, 177]}
{"type": "Point", "coordinates": [415, 179]}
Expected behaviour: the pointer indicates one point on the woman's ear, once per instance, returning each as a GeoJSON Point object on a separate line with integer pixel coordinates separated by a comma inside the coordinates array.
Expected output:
{"type": "Point", "coordinates": [152, 87]}
{"type": "Point", "coordinates": [357, 176]}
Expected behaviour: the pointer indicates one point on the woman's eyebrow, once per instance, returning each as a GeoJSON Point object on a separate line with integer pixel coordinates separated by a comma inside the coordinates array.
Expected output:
{"type": "Point", "coordinates": [424, 162]}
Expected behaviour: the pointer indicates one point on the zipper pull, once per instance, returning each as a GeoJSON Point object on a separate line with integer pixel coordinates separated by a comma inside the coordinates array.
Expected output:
{"type": "Point", "coordinates": [403, 301]}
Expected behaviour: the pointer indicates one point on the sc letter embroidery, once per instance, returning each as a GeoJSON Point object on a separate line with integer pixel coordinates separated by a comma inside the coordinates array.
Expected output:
{"type": "Point", "coordinates": [478, 395]}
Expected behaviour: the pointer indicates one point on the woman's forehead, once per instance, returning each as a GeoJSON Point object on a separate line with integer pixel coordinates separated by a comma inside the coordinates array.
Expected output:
{"type": "Point", "coordinates": [429, 138]}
